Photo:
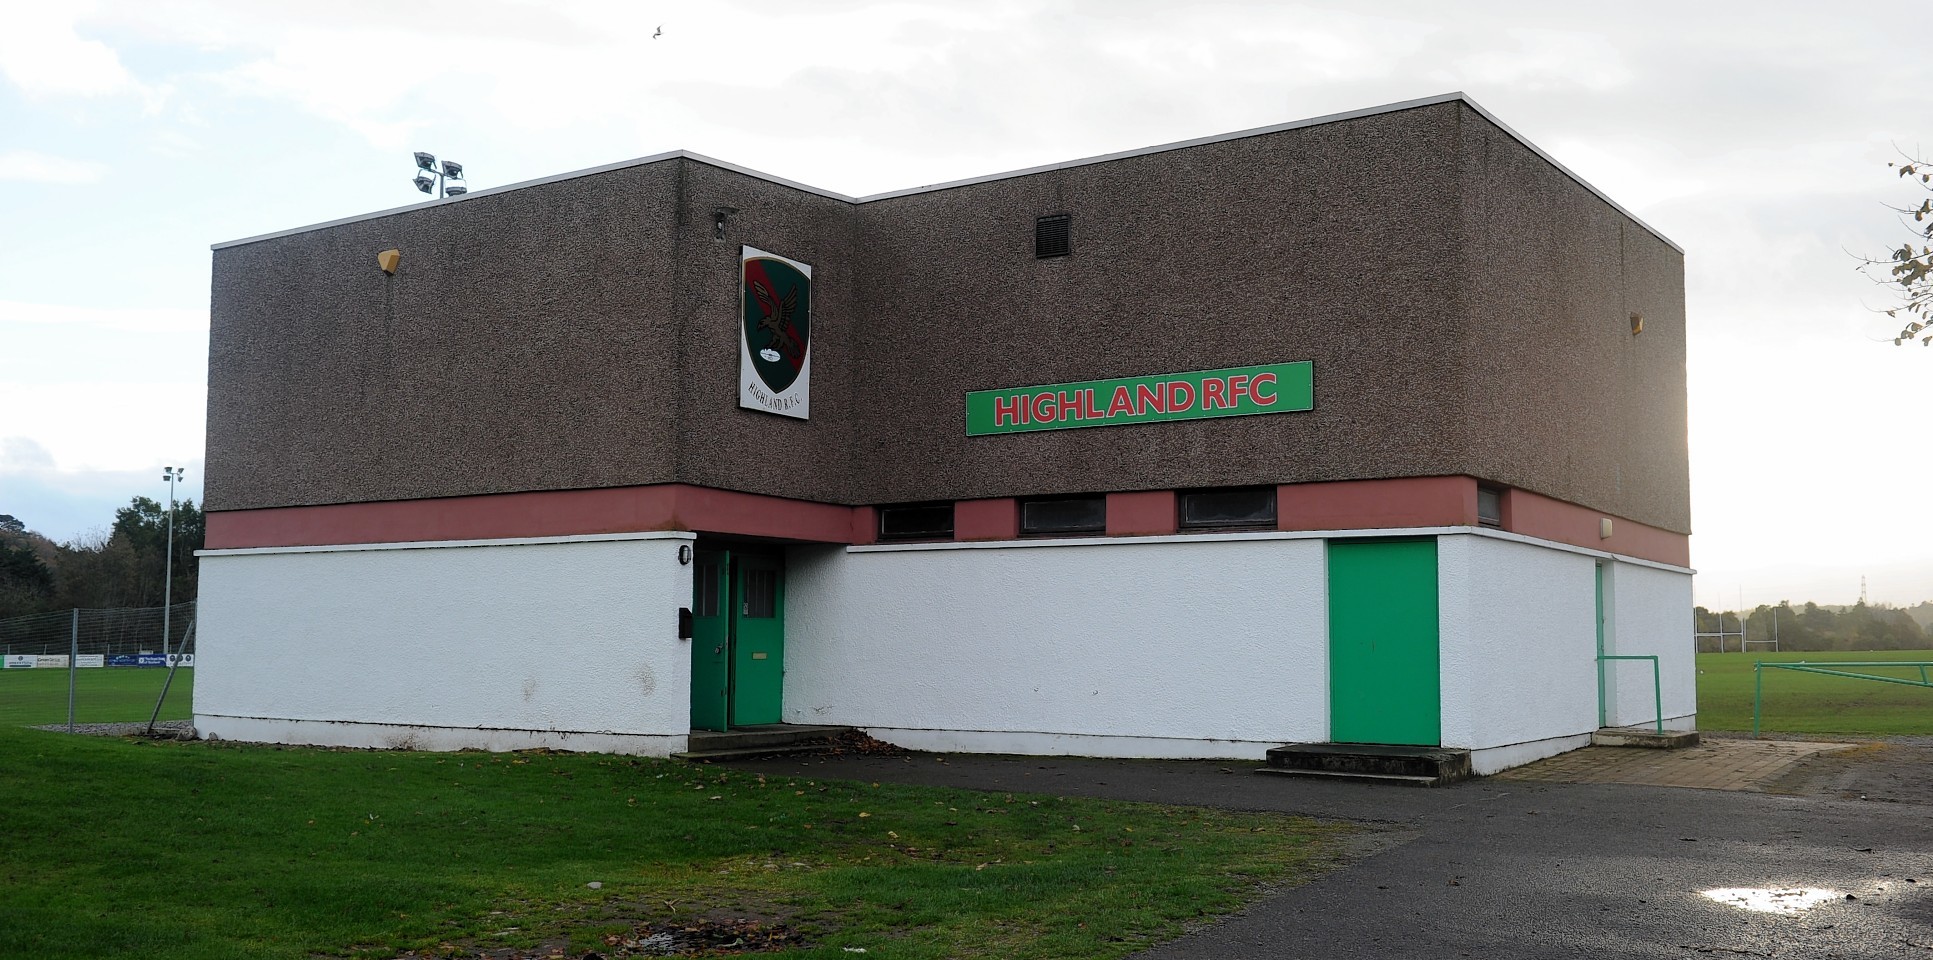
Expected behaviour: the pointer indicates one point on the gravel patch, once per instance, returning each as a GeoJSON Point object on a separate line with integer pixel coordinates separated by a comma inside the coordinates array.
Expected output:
{"type": "Point", "coordinates": [166, 729]}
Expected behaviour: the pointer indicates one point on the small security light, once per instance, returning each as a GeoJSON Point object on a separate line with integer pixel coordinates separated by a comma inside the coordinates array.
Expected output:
{"type": "Point", "coordinates": [456, 190]}
{"type": "Point", "coordinates": [426, 161]}
{"type": "Point", "coordinates": [424, 183]}
{"type": "Point", "coordinates": [453, 169]}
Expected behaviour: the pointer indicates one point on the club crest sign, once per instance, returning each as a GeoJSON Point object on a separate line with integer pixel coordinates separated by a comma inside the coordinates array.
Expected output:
{"type": "Point", "coordinates": [775, 334]}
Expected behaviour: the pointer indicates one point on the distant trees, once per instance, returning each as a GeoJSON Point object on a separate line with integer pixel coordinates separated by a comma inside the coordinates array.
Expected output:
{"type": "Point", "coordinates": [1813, 627]}
{"type": "Point", "coordinates": [121, 566]}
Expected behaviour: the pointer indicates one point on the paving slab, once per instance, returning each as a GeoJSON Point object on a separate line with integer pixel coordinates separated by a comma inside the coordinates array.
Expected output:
{"type": "Point", "coordinates": [1715, 764]}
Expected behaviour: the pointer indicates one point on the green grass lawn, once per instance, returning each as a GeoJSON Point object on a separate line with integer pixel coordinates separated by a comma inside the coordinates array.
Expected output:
{"type": "Point", "coordinates": [169, 850]}
{"type": "Point", "coordinates": [1811, 703]}
{"type": "Point", "coordinates": [101, 695]}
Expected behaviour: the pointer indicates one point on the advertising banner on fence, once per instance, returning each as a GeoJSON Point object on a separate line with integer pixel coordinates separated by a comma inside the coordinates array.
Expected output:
{"type": "Point", "coordinates": [91, 660]}
{"type": "Point", "coordinates": [20, 661]}
{"type": "Point", "coordinates": [181, 659]}
{"type": "Point", "coordinates": [150, 660]}
{"type": "Point", "coordinates": [122, 660]}
{"type": "Point", "coordinates": [1235, 392]}
{"type": "Point", "coordinates": [50, 662]}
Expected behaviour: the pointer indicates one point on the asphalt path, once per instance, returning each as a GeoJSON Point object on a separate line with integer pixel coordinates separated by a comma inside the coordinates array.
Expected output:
{"type": "Point", "coordinates": [1507, 870]}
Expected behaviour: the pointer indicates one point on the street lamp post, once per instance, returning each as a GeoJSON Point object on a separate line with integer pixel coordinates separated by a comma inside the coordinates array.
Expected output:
{"type": "Point", "coordinates": [172, 475]}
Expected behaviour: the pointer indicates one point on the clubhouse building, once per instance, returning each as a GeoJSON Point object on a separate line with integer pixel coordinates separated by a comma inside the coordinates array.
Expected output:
{"type": "Point", "coordinates": [1363, 429]}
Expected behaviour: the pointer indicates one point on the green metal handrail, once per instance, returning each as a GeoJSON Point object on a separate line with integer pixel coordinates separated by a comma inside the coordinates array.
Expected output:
{"type": "Point", "coordinates": [1805, 666]}
{"type": "Point", "coordinates": [1657, 686]}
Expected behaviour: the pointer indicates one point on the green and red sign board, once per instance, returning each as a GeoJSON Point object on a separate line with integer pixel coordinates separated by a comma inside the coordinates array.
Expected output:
{"type": "Point", "coordinates": [1234, 392]}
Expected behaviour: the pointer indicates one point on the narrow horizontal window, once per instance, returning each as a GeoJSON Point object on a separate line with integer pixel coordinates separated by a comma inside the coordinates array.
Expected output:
{"type": "Point", "coordinates": [1237, 507]}
{"type": "Point", "coordinates": [916, 521]}
{"type": "Point", "coordinates": [1063, 515]}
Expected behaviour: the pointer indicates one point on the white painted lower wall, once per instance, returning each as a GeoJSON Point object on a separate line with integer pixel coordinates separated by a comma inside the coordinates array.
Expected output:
{"type": "Point", "coordinates": [1519, 624]}
{"type": "Point", "coordinates": [1205, 648]}
{"type": "Point", "coordinates": [1143, 647]}
{"type": "Point", "coordinates": [1197, 647]}
{"type": "Point", "coordinates": [1519, 642]}
{"type": "Point", "coordinates": [1650, 613]}
{"type": "Point", "coordinates": [570, 644]}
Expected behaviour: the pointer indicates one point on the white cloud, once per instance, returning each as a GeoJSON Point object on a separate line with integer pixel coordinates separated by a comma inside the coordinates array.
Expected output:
{"type": "Point", "coordinates": [23, 455]}
{"type": "Point", "coordinates": [79, 427]}
{"type": "Point", "coordinates": [42, 53]}
{"type": "Point", "coordinates": [132, 319]}
{"type": "Point", "coordinates": [33, 167]}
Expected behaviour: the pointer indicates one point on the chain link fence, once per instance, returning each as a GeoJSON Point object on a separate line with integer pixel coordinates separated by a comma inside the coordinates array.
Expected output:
{"type": "Point", "coordinates": [129, 667]}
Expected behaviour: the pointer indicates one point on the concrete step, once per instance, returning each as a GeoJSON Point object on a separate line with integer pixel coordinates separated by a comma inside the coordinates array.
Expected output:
{"type": "Point", "coordinates": [744, 753]}
{"type": "Point", "coordinates": [765, 740]}
{"type": "Point", "coordinates": [1644, 737]}
{"type": "Point", "coordinates": [1394, 779]}
{"type": "Point", "coordinates": [1373, 762]}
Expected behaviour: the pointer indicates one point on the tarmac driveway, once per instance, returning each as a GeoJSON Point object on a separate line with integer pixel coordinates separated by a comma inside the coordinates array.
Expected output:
{"type": "Point", "coordinates": [1526, 868]}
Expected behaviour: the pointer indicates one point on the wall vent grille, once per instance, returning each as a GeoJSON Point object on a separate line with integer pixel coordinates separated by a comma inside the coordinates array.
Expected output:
{"type": "Point", "coordinates": [1051, 236]}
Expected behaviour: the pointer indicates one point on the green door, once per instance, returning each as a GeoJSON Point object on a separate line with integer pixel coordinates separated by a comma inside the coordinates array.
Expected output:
{"type": "Point", "coordinates": [710, 639]}
{"type": "Point", "coordinates": [1384, 684]}
{"type": "Point", "coordinates": [758, 639]}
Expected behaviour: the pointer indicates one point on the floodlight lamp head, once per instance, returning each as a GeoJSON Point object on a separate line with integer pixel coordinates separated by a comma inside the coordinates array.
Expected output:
{"type": "Point", "coordinates": [455, 190]}
{"type": "Point", "coordinates": [426, 161]}
{"type": "Point", "coordinates": [424, 183]}
{"type": "Point", "coordinates": [451, 168]}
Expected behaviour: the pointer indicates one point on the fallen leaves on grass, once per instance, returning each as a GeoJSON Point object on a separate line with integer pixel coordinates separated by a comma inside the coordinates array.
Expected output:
{"type": "Point", "coordinates": [694, 938]}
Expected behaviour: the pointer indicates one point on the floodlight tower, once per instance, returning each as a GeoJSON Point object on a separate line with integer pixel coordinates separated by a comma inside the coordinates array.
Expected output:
{"type": "Point", "coordinates": [172, 475]}
{"type": "Point", "coordinates": [435, 177]}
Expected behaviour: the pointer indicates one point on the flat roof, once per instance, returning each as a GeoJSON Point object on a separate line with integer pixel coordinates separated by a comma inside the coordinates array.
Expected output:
{"type": "Point", "coordinates": [1028, 171]}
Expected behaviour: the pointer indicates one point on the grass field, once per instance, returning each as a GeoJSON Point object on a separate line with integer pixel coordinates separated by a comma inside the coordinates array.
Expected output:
{"type": "Point", "coordinates": [169, 850]}
{"type": "Point", "coordinates": [1810, 703]}
{"type": "Point", "coordinates": [101, 695]}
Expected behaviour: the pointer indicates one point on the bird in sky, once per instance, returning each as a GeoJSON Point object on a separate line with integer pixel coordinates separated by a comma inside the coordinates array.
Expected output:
{"type": "Point", "coordinates": [660, 32]}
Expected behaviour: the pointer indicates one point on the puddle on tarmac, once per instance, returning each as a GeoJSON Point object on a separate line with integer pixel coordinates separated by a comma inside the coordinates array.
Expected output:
{"type": "Point", "coordinates": [1785, 901]}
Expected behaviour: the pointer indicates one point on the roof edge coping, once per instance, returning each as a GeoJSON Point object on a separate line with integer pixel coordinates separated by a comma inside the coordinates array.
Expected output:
{"type": "Point", "coordinates": [1451, 97]}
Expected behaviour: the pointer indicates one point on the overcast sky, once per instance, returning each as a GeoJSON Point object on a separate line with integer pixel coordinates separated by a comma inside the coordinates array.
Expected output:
{"type": "Point", "coordinates": [1755, 135]}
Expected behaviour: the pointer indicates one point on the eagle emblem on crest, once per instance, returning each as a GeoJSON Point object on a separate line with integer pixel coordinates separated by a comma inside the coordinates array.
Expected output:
{"type": "Point", "coordinates": [777, 320]}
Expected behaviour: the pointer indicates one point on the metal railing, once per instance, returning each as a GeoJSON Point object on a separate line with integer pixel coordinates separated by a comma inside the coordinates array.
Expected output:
{"type": "Point", "coordinates": [1831, 669]}
{"type": "Point", "coordinates": [1657, 686]}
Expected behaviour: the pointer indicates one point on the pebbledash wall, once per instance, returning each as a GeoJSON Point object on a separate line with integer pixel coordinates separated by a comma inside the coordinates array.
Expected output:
{"type": "Point", "coordinates": [463, 505]}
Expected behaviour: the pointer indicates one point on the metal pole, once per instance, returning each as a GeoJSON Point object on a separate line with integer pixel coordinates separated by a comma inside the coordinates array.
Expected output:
{"type": "Point", "coordinates": [169, 682]}
{"type": "Point", "coordinates": [1758, 694]}
{"type": "Point", "coordinates": [168, 576]}
{"type": "Point", "coordinates": [73, 664]}
{"type": "Point", "coordinates": [1658, 694]}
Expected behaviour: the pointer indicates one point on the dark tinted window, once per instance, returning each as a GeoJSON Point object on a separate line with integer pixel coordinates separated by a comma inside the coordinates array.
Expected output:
{"type": "Point", "coordinates": [1064, 515]}
{"type": "Point", "coordinates": [1241, 507]}
{"type": "Point", "coordinates": [1489, 506]}
{"type": "Point", "coordinates": [704, 601]}
{"type": "Point", "coordinates": [916, 521]}
{"type": "Point", "coordinates": [761, 593]}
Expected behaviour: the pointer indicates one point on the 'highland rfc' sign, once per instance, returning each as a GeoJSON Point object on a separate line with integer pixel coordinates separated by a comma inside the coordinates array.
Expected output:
{"type": "Point", "coordinates": [1235, 392]}
{"type": "Point", "coordinates": [775, 334]}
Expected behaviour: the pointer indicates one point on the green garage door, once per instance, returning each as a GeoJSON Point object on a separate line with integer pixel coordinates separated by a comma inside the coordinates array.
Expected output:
{"type": "Point", "coordinates": [1384, 678]}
